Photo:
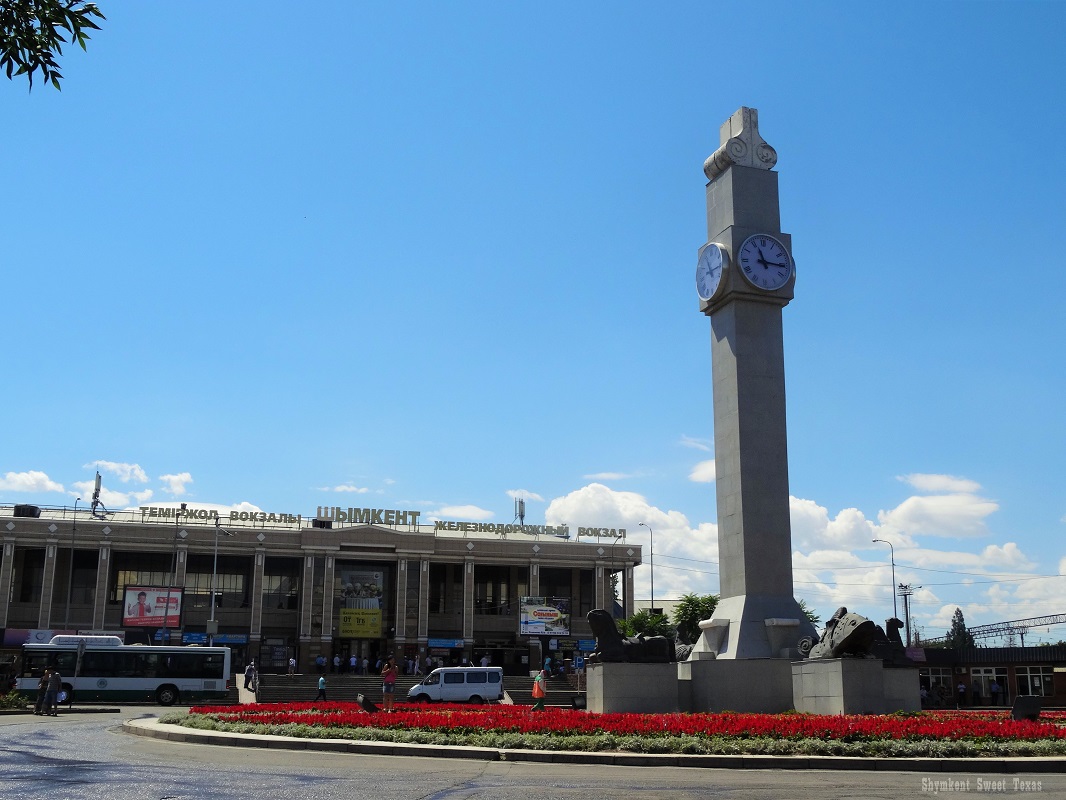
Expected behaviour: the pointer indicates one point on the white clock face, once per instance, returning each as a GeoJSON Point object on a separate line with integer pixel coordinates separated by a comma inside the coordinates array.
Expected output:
{"type": "Point", "coordinates": [709, 265]}
{"type": "Point", "coordinates": [765, 262]}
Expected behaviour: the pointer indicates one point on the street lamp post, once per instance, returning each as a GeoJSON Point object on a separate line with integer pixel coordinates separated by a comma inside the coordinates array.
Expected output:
{"type": "Point", "coordinates": [651, 562]}
{"type": "Point", "coordinates": [212, 626]}
{"type": "Point", "coordinates": [170, 578]}
{"type": "Point", "coordinates": [892, 551]}
{"type": "Point", "coordinates": [70, 571]}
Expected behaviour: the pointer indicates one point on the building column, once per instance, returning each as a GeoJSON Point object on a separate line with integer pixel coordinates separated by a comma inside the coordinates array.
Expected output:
{"type": "Point", "coordinates": [423, 602]}
{"type": "Point", "coordinates": [401, 601]}
{"type": "Point", "coordinates": [306, 595]}
{"type": "Point", "coordinates": [468, 602]}
{"type": "Point", "coordinates": [255, 633]}
{"type": "Point", "coordinates": [7, 572]}
{"type": "Point", "coordinates": [327, 604]}
{"type": "Point", "coordinates": [627, 591]}
{"type": "Point", "coordinates": [183, 565]}
{"type": "Point", "coordinates": [44, 615]}
{"type": "Point", "coordinates": [534, 578]}
{"type": "Point", "coordinates": [103, 572]}
{"type": "Point", "coordinates": [602, 586]}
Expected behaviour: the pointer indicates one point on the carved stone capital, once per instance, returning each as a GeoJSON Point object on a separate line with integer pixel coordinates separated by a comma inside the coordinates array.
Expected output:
{"type": "Point", "coordinates": [741, 144]}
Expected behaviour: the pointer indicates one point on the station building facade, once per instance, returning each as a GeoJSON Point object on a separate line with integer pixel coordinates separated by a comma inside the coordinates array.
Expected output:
{"type": "Point", "coordinates": [347, 582]}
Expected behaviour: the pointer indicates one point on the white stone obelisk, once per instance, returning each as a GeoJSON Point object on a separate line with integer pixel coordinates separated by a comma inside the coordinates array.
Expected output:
{"type": "Point", "coordinates": [757, 616]}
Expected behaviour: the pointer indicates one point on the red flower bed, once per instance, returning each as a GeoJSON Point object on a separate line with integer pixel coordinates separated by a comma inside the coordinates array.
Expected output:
{"type": "Point", "coordinates": [519, 719]}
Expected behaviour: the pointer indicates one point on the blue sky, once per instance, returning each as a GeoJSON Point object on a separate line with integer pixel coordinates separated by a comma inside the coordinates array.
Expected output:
{"type": "Point", "coordinates": [436, 256]}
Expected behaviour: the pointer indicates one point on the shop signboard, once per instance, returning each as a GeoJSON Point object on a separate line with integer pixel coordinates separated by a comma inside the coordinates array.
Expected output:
{"type": "Point", "coordinates": [544, 616]}
{"type": "Point", "coordinates": [356, 623]}
{"type": "Point", "coordinates": [446, 643]}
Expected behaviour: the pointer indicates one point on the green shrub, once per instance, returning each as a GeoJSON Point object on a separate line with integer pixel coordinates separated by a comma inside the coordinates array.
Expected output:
{"type": "Point", "coordinates": [13, 700]}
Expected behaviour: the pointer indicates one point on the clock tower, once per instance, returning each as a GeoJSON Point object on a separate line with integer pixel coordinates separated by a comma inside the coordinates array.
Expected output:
{"type": "Point", "coordinates": [745, 276]}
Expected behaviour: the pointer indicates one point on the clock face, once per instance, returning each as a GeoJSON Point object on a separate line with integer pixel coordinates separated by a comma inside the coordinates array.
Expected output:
{"type": "Point", "coordinates": [765, 262]}
{"type": "Point", "coordinates": [709, 265]}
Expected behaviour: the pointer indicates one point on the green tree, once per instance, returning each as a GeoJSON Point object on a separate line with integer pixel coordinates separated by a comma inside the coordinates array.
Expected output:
{"type": "Point", "coordinates": [644, 622]}
{"type": "Point", "coordinates": [33, 32]}
{"type": "Point", "coordinates": [811, 615]}
{"type": "Point", "coordinates": [959, 636]}
{"type": "Point", "coordinates": [688, 612]}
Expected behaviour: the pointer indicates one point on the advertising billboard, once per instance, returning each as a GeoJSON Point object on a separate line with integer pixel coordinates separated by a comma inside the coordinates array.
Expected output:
{"type": "Point", "coordinates": [548, 616]}
{"type": "Point", "coordinates": [361, 595]}
{"type": "Point", "coordinates": [146, 607]}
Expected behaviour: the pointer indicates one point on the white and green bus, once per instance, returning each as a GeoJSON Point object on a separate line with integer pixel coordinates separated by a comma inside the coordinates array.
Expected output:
{"type": "Point", "coordinates": [102, 668]}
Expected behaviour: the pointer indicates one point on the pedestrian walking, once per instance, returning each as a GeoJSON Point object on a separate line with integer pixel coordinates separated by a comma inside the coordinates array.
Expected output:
{"type": "Point", "coordinates": [249, 674]}
{"type": "Point", "coordinates": [292, 667]}
{"type": "Point", "coordinates": [539, 692]}
{"type": "Point", "coordinates": [42, 690]}
{"type": "Point", "coordinates": [321, 688]}
{"type": "Point", "coordinates": [51, 695]}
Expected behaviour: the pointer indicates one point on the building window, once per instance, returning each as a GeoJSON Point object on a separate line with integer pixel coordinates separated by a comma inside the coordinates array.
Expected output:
{"type": "Point", "coordinates": [139, 569]}
{"type": "Point", "coordinates": [556, 582]}
{"type": "Point", "coordinates": [445, 588]}
{"type": "Point", "coordinates": [587, 585]}
{"type": "Point", "coordinates": [1035, 681]}
{"type": "Point", "coordinates": [31, 576]}
{"type": "Point", "coordinates": [281, 584]}
{"type": "Point", "coordinates": [491, 585]}
{"type": "Point", "coordinates": [932, 678]}
{"type": "Point", "coordinates": [982, 680]}
{"type": "Point", "coordinates": [231, 581]}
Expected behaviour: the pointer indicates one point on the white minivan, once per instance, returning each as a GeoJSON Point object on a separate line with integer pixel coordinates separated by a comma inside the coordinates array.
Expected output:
{"type": "Point", "coordinates": [459, 685]}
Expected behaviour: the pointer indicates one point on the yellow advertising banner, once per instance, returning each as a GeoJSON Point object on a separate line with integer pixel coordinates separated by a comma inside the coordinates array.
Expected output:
{"type": "Point", "coordinates": [360, 623]}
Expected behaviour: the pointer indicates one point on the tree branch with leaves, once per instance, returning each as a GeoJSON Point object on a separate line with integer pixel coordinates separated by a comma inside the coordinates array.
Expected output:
{"type": "Point", "coordinates": [33, 32]}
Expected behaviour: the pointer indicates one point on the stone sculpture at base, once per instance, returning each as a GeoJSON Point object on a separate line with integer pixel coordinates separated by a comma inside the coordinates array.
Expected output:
{"type": "Point", "coordinates": [845, 634]}
{"type": "Point", "coordinates": [612, 647]}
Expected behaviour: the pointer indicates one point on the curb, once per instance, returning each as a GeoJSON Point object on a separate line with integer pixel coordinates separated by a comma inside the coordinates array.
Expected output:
{"type": "Point", "coordinates": [152, 728]}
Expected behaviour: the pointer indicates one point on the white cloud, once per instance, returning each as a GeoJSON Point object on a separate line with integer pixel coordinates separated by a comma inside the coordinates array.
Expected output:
{"type": "Point", "coordinates": [124, 472]}
{"type": "Point", "coordinates": [111, 499]}
{"type": "Point", "coordinates": [607, 476]}
{"type": "Point", "coordinates": [347, 487]}
{"type": "Point", "coordinates": [952, 515]}
{"type": "Point", "coordinates": [706, 445]}
{"type": "Point", "coordinates": [686, 558]}
{"type": "Point", "coordinates": [31, 481]}
{"type": "Point", "coordinates": [462, 513]}
{"type": "Point", "coordinates": [524, 494]}
{"type": "Point", "coordinates": [812, 528]}
{"type": "Point", "coordinates": [175, 484]}
{"type": "Point", "coordinates": [704, 472]}
{"type": "Point", "coordinates": [940, 483]}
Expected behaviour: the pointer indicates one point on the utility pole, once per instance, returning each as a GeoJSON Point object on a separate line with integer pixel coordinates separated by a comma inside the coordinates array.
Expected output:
{"type": "Point", "coordinates": [905, 591]}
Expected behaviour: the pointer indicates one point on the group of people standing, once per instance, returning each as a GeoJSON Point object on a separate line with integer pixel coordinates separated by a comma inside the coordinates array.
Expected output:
{"type": "Point", "coordinates": [389, 671]}
{"type": "Point", "coordinates": [48, 689]}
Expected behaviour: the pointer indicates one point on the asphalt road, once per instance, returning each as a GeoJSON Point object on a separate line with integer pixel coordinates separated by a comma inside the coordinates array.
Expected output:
{"type": "Point", "coordinates": [86, 756]}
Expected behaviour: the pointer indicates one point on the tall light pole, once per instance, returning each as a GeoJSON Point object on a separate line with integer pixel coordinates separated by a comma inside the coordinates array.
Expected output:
{"type": "Point", "coordinates": [651, 562]}
{"type": "Point", "coordinates": [212, 627]}
{"type": "Point", "coordinates": [70, 571]}
{"type": "Point", "coordinates": [892, 551]}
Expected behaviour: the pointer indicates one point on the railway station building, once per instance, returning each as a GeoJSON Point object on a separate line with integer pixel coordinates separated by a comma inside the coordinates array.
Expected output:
{"type": "Point", "coordinates": [346, 582]}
